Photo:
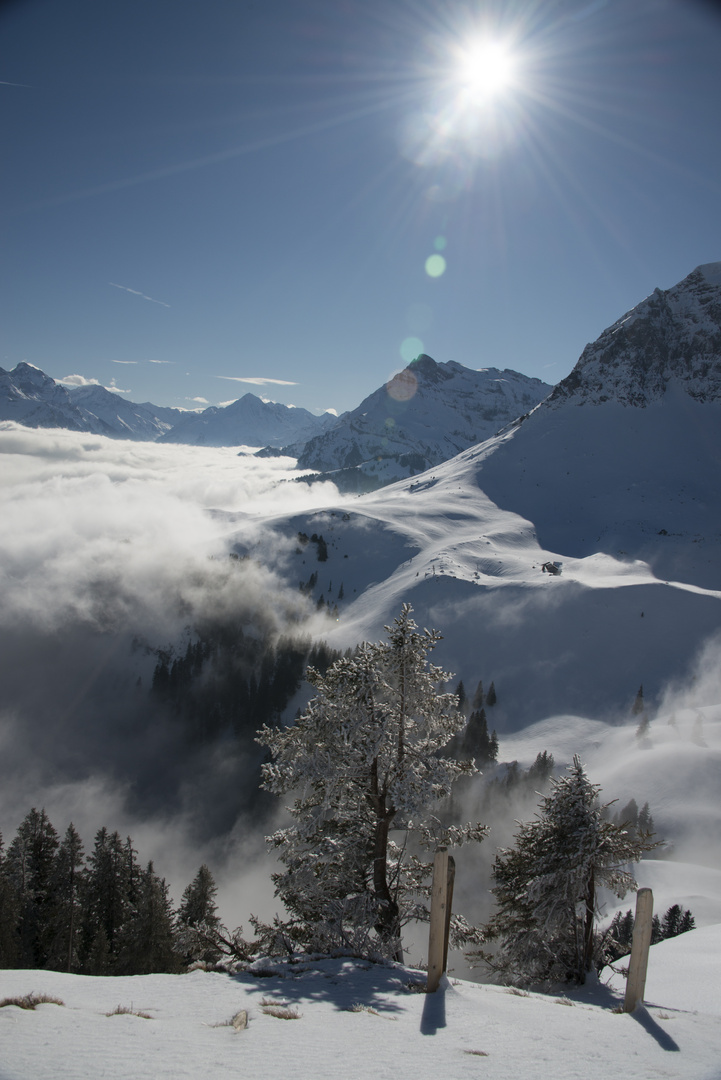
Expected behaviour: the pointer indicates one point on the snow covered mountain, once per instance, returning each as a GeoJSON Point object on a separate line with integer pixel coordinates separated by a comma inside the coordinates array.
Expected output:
{"type": "Point", "coordinates": [248, 422]}
{"type": "Point", "coordinates": [30, 397]}
{"type": "Point", "coordinates": [110, 414]}
{"type": "Point", "coordinates": [426, 414]}
{"type": "Point", "coordinates": [672, 339]}
{"type": "Point", "coordinates": [615, 482]}
{"type": "Point", "coordinates": [625, 455]}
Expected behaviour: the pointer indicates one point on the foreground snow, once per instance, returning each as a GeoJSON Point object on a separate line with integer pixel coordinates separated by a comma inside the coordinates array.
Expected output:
{"type": "Point", "coordinates": [359, 1020]}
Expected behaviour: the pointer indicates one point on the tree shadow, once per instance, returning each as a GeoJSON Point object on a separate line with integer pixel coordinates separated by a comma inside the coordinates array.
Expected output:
{"type": "Point", "coordinates": [434, 1009]}
{"type": "Point", "coordinates": [347, 983]}
{"type": "Point", "coordinates": [641, 1015]}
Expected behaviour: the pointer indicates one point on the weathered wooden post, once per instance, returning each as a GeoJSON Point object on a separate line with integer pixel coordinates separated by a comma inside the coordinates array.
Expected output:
{"type": "Point", "coordinates": [642, 929]}
{"type": "Point", "coordinates": [444, 869]}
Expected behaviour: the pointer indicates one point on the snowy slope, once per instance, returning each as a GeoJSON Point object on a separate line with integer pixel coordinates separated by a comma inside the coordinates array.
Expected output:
{"type": "Point", "coordinates": [426, 414]}
{"type": "Point", "coordinates": [580, 642]}
{"type": "Point", "coordinates": [248, 422]}
{"type": "Point", "coordinates": [359, 1021]}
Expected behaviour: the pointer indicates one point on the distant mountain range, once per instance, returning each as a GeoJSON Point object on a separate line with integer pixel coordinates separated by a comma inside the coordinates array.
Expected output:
{"type": "Point", "coordinates": [248, 422]}
{"type": "Point", "coordinates": [424, 415]}
{"type": "Point", "coordinates": [32, 398]}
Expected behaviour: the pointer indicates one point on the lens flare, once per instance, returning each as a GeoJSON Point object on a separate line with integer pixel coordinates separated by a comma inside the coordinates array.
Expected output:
{"type": "Point", "coordinates": [402, 386]}
{"type": "Point", "coordinates": [435, 266]}
{"type": "Point", "coordinates": [411, 348]}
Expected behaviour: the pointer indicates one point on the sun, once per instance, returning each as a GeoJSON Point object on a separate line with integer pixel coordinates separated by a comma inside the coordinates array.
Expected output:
{"type": "Point", "coordinates": [486, 69]}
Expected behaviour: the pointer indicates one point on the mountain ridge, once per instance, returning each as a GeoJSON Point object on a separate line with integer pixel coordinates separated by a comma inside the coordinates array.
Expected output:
{"type": "Point", "coordinates": [248, 421]}
{"type": "Point", "coordinates": [425, 414]}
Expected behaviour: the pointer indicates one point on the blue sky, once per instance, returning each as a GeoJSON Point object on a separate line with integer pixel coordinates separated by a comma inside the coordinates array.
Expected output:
{"type": "Point", "coordinates": [197, 193]}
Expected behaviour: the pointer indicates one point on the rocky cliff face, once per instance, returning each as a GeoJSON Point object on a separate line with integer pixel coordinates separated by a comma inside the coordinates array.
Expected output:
{"type": "Point", "coordinates": [671, 339]}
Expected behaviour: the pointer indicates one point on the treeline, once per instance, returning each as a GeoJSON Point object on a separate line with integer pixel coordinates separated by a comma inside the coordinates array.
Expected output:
{"type": "Point", "coordinates": [619, 935]}
{"type": "Point", "coordinates": [229, 682]}
{"type": "Point", "coordinates": [100, 914]}
{"type": "Point", "coordinates": [475, 743]}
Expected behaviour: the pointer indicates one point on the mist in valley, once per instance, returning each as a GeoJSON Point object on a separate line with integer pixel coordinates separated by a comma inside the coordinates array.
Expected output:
{"type": "Point", "coordinates": [119, 556]}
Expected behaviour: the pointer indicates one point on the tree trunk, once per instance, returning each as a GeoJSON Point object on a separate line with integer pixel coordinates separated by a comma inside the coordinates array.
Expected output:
{"type": "Point", "coordinates": [387, 925]}
{"type": "Point", "coordinates": [588, 925]}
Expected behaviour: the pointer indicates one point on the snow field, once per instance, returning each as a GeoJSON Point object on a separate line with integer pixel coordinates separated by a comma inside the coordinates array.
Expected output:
{"type": "Point", "coordinates": [464, 1030]}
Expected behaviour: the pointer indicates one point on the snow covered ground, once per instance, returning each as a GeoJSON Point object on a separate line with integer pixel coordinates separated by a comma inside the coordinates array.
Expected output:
{"type": "Point", "coordinates": [356, 1020]}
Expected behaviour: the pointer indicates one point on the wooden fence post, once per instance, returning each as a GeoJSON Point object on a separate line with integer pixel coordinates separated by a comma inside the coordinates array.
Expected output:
{"type": "Point", "coordinates": [444, 869]}
{"type": "Point", "coordinates": [642, 929]}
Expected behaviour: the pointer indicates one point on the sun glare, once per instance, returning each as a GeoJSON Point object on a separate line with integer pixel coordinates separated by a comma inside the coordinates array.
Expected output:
{"type": "Point", "coordinates": [486, 69]}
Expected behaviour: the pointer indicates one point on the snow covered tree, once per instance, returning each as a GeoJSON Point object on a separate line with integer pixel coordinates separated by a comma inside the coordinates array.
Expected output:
{"type": "Point", "coordinates": [546, 884]}
{"type": "Point", "coordinates": [619, 936]}
{"type": "Point", "coordinates": [364, 763]}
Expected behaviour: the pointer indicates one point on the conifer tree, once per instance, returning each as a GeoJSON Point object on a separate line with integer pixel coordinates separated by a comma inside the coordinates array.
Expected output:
{"type": "Point", "coordinates": [478, 697]}
{"type": "Point", "coordinates": [491, 698]}
{"type": "Point", "coordinates": [628, 816]}
{"type": "Point", "coordinates": [68, 882]}
{"type": "Point", "coordinates": [646, 824]}
{"type": "Point", "coordinates": [145, 942]}
{"type": "Point", "coordinates": [687, 922]}
{"type": "Point", "coordinates": [546, 884]}
{"type": "Point", "coordinates": [619, 936]}
{"type": "Point", "coordinates": [671, 921]}
{"type": "Point", "coordinates": [462, 697]}
{"type": "Point", "coordinates": [9, 917]}
{"type": "Point", "coordinates": [197, 919]}
{"type": "Point", "coordinates": [541, 769]}
{"type": "Point", "coordinates": [364, 759]}
{"type": "Point", "coordinates": [29, 865]}
{"type": "Point", "coordinates": [111, 879]}
{"type": "Point", "coordinates": [475, 742]}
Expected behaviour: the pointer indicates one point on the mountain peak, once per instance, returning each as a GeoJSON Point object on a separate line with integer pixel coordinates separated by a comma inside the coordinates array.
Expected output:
{"type": "Point", "coordinates": [426, 413]}
{"type": "Point", "coordinates": [673, 337]}
{"type": "Point", "coordinates": [710, 271]}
